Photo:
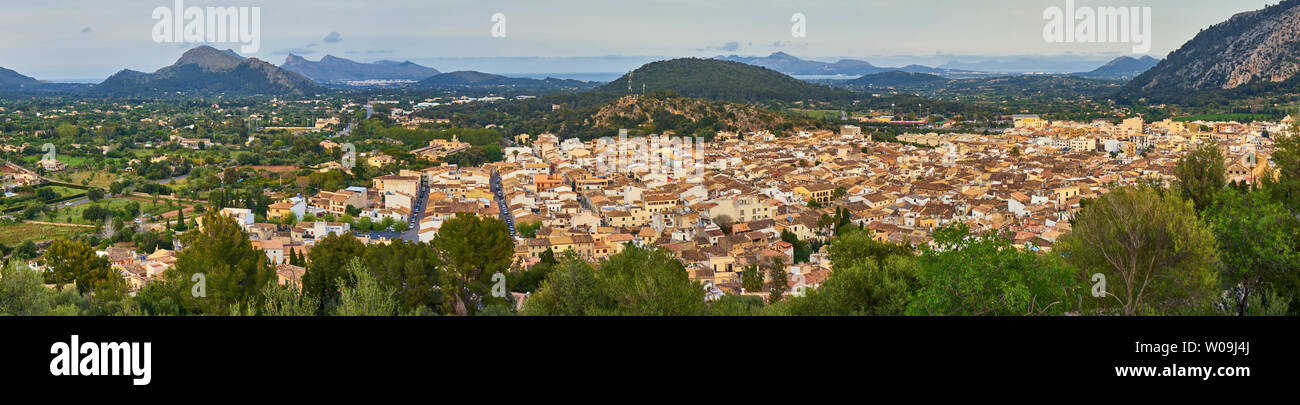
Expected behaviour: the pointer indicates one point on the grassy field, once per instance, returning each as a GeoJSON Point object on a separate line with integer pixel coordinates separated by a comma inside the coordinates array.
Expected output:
{"type": "Point", "coordinates": [12, 234]}
{"type": "Point", "coordinates": [97, 178]}
{"type": "Point", "coordinates": [74, 213]}
{"type": "Point", "coordinates": [829, 115]}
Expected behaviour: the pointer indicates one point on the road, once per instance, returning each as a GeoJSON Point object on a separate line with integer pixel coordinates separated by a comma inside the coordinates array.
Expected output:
{"type": "Point", "coordinates": [412, 233]}
{"type": "Point", "coordinates": [501, 203]}
{"type": "Point", "coordinates": [370, 110]}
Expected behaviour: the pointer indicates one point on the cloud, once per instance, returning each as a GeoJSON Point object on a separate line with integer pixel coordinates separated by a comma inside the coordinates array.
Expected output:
{"type": "Point", "coordinates": [86, 30]}
{"type": "Point", "coordinates": [333, 37]}
{"type": "Point", "coordinates": [728, 47]}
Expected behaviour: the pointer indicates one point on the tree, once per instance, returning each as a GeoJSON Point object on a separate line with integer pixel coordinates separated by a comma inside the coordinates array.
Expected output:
{"type": "Point", "coordinates": [471, 249]}
{"type": "Point", "coordinates": [861, 289]}
{"type": "Point", "coordinates": [856, 246]}
{"type": "Point", "coordinates": [95, 194]}
{"type": "Point", "coordinates": [75, 262]}
{"type": "Point", "coordinates": [572, 289]}
{"type": "Point", "coordinates": [965, 274]}
{"type": "Point", "coordinates": [23, 293]}
{"type": "Point", "coordinates": [221, 258]}
{"type": "Point", "coordinates": [1201, 174]}
{"type": "Point", "coordinates": [363, 295]}
{"type": "Point", "coordinates": [1285, 187]}
{"type": "Point", "coordinates": [1153, 253]}
{"type": "Point", "coordinates": [650, 282]}
{"type": "Point", "coordinates": [778, 281]}
{"type": "Point", "coordinates": [530, 279]}
{"type": "Point", "coordinates": [94, 212]}
{"type": "Point", "coordinates": [528, 229]}
{"type": "Point", "coordinates": [802, 249]}
{"type": "Point", "coordinates": [410, 269]}
{"type": "Point", "coordinates": [1259, 244]}
{"type": "Point", "coordinates": [180, 220]}
{"type": "Point", "coordinates": [751, 280]}
{"type": "Point", "coordinates": [724, 222]}
{"type": "Point", "coordinates": [635, 282]}
{"type": "Point", "coordinates": [326, 266]}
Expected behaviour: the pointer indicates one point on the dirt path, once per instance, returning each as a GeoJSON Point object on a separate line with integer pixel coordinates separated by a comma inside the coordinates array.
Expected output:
{"type": "Point", "coordinates": [60, 224]}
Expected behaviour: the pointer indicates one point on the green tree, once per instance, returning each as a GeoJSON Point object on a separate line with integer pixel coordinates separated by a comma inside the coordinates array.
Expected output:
{"type": "Point", "coordinates": [965, 274]}
{"type": "Point", "coordinates": [1285, 187]}
{"type": "Point", "coordinates": [635, 282]}
{"type": "Point", "coordinates": [1155, 255]}
{"type": "Point", "coordinates": [95, 194]}
{"type": "Point", "coordinates": [23, 293]}
{"type": "Point", "coordinates": [363, 295]}
{"type": "Point", "coordinates": [1259, 243]}
{"type": "Point", "coordinates": [410, 269]}
{"type": "Point", "coordinates": [75, 262]}
{"type": "Point", "coordinates": [572, 289]}
{"type": "Point", "coordinates": [227, 266]}
{"type": "Point", "coordinates": [860, 289]}
{"type": "Point", "coordinates": [1201, 174]}
{"type": "Point", "coordinates": [778, 281]}
{"type": "Point", "coordinates": [471, 249]}
{"type": "Point", "coordinates": [528, 229]}
{"type": "Point", "coordinates": [326, 266]}
{"type": "Point", "coordinates": [751, 280]}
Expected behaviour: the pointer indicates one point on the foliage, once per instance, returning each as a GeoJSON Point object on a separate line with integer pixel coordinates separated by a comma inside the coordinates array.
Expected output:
{"type": "Point", "coordinates": [1155, 255]}
{"type": "Point", "coordinates": [965, 274]}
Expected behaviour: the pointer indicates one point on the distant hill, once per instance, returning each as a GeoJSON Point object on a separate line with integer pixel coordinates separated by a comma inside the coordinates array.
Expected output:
{"type": "Point", "coordinates": [1122, 68]}
{"type": "Point", "coordinates": [689, 116]}
{"type": "Point", "coordinates": [12, 79]}
{"type": "Point", "coordinates": [208, 70]}
{"type": "Point", "coordinates": [721, 80]}
{"type": "Point", "coordinates": [472, 79]}
{"type": "Point", "coordinates": [789, 64]}
{"type": "Point", "coordinates": [897, 79]}
{"type": "Point", "coordinates": [332, 69]}
{"type": "Point", "coordinates": [1255, 53]}
{"type": "Point", "coordinates": [792, 65]}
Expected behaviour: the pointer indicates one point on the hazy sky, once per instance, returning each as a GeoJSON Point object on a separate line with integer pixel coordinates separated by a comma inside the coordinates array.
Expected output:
{"type": "Point", "coordinates": [61, 39]}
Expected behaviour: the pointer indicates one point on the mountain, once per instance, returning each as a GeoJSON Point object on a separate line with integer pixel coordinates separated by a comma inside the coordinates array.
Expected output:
{"type": "Point", "coordinates": [1122, 68]}
{"type": "Point", "coordinates": [332, 69]}
{"type": "Point", "coordinates": [898, 79]}
{"type": "Point", "coordinates": [789, 64]}
{"type": "Point", "coordinates": [11, 79]}
{"type": "Point", "coordinates": [480, 80]}
{"type": "Point", "coordinates": [688, 116]}
{"type": "Point", "coordinates": [208, 70]}
{"type": "Point", "coordinates": [1252, 53]}
{"type": "Point", "coordinates": [721, 80]}
{"type": "Point", "coordinates": [1028, 64]}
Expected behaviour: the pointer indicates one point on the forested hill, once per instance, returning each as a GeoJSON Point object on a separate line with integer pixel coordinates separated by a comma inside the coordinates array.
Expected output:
{"type": "Point", "coordinates": [721, 81]}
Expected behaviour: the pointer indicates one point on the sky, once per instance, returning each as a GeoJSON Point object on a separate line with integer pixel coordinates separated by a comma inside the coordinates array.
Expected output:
{"type": "Point", "coordinates": [92, 39]}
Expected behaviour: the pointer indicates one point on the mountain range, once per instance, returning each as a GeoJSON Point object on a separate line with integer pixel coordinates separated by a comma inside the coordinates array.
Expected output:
{"type": "Point", "coordinates": [792, 65]}
{"type": "Point", "coordinates": [1122, 68]}
{"type": "Point", "coordinates": [207, 70]}
{"type": "Point", "coordinates": [331, 69]}
{"type": "Point", "coordinates": [1255, 53]}
{"type": "Point", "coordinates": [485, 80]}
